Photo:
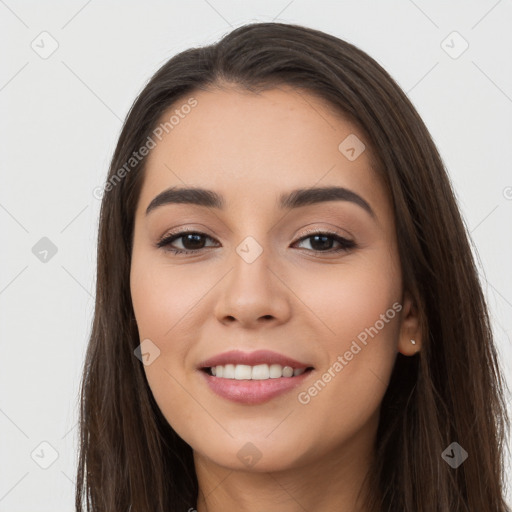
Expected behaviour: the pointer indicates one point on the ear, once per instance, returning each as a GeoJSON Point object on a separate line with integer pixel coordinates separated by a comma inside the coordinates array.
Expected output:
{"type": "Point", "coordinates": [409, 328]}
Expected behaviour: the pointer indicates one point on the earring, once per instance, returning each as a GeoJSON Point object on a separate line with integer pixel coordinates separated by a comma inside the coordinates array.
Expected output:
{"type": "Point", "coordinates": [413, 342]}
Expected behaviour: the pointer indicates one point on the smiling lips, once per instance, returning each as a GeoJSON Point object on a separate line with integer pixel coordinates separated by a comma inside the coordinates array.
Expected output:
{"type": "Point", "coordinates": [251, 358]}
{"type": "Point", "coordinates": [254, 377]}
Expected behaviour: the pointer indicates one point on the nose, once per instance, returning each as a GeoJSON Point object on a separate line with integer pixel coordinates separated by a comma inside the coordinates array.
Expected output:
{"type": "Point", "coordinates": [253, 295]}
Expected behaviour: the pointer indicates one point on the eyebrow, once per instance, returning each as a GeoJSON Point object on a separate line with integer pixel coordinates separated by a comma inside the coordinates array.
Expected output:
{"type": "Point", "coordinates": [294, 199]}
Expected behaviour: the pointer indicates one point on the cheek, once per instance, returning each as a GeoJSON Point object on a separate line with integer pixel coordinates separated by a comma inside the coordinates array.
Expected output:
{"type": "Point", "coordinates": [354, 296]}
{"type": "Point", "coordinates": [164, 301]}
{"type": "Point", "coordinates": [161, 315]}
{"type": "Point", "coordinates": [359, 303]}
{"type": "Point", "coordinates": [163, 296]}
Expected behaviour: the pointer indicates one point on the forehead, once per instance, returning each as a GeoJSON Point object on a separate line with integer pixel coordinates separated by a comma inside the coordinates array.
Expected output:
{"type": "Point", "coordinates": [249, 146]}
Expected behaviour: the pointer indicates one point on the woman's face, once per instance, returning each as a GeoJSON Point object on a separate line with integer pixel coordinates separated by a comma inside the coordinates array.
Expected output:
{"type": "Point", "coordinates": [257, 278]}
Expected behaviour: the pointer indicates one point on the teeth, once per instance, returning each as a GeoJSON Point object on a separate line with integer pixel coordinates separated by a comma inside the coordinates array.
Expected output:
{"type": "Point", "coordinates": [258, 372]}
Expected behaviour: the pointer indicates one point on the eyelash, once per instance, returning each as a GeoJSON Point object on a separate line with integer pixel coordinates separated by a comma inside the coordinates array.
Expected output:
{"type": "Point", "coordinates": [164, 242]}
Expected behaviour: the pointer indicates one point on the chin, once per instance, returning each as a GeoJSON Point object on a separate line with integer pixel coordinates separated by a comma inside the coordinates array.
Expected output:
{"type": "Point", "coordinates": [255, 454]}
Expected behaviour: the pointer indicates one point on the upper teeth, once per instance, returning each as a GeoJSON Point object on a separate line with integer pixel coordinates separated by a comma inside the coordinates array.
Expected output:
{"type": "Point", "coordinates": [258, 372]}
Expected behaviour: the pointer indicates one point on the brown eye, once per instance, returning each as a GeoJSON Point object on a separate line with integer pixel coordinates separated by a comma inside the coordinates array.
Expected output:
{"type": "Point", "coordinates": [192, 241]}
{"type": "Point", "coordinates": [323, 242]}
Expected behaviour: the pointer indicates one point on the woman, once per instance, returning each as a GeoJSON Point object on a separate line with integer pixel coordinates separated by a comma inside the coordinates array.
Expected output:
{"type": "Point", "coordinates": [288, 313]}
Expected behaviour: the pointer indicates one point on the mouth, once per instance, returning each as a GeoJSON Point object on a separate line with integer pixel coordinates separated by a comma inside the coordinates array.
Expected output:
{"type": "Point", "coordinates": [252, 385]}
{"type": "Point", "coordinates": [253, 378]}
{"type": "Point", "coordinates": [256, 372]}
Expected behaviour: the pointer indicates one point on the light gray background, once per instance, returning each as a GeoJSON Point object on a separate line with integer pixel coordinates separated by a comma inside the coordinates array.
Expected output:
{"type": "Point", "coordinates": [61, 117]}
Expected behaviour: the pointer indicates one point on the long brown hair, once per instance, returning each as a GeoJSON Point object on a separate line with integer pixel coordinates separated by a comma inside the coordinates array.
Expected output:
{"type": "Point", "coordinates": [451, 391]}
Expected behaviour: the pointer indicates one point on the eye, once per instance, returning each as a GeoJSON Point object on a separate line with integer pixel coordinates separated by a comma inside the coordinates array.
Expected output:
{"type": "Point", "coordinates": [193, 241]}
{"type": "Point", "coordinates": [322, 242]}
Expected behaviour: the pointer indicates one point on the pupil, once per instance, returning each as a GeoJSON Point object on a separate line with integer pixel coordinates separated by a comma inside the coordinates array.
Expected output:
{"type": "Point", "coordinates": [195, 238]}
{"type": "Point", "coordinates": [326, 241]}
{"type": "Point", "coordinates": [194, 241]}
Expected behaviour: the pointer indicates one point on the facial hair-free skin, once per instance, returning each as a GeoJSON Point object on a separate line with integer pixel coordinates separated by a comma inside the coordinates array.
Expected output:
{"type": "Point", "coordinates": [303, 297]}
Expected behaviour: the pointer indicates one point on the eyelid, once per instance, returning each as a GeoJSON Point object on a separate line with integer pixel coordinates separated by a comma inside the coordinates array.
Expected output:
{"type": "Point", "coordinates": [346, 244]}
{"type": "Point", "coordinates": [314, 231]}
{"type": "Point", "coordinates": [304, 234]}
{"type": "Point", "coordinates": [185, 230]}
{"type": "Point", "coordinates": [169, 238]}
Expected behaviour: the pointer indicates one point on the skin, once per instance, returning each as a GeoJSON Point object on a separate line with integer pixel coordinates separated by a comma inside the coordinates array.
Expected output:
{"type": "Point", "coordinates": [295, 299]}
